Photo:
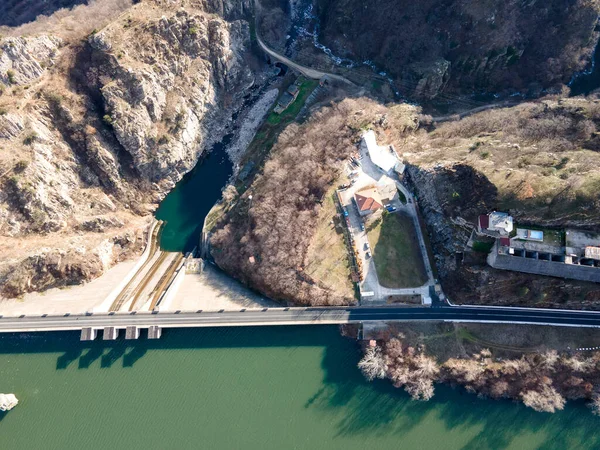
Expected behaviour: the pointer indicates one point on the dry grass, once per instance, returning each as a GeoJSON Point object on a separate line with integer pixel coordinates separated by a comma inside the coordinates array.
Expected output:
{"type": "Point", "coordinates": [446, 340]}
{"type": "Point", "coordinates": [542, 157]}
{"type": "Point", "coordinates": [72, 23]}
{"type": "Point", "coordinates": [328, 260]}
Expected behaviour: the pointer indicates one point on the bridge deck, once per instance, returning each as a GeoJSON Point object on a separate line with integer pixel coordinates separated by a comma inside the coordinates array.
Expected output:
{"type": "Point", "coordinates": [299, 316]}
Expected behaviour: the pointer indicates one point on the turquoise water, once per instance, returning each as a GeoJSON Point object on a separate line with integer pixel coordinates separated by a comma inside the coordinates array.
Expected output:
{"type": "Point", "coordinates": [186, 206]}
{"type": "Point", "coordinates": [246, 388]}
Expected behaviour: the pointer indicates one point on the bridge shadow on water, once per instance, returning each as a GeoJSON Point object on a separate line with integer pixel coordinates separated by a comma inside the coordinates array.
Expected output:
{"type": "Point", "coordinates": [354, 406]}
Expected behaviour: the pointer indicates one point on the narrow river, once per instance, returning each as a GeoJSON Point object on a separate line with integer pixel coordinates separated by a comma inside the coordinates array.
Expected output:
{"type": "Point", "coordinates": [185, 207]}
{"type": "Point", "coordinates": [246, 388]}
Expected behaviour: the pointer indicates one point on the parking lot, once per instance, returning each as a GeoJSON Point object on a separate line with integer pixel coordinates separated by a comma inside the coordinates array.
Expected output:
{"type": "Point", "coordinates": [364, 176]}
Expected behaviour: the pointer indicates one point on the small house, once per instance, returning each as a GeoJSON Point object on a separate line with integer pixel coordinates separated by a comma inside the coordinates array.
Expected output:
{"type": "Point", "coordinates": [495, 224]}
{"type": "Point", "coordinates": [530, 235]}
{"type": "Point", "coordinates": [288, 97]}
{"type": "Point", "coordinates": [592, 253]}
{"type": "Point", "coordinates": [368, 201]}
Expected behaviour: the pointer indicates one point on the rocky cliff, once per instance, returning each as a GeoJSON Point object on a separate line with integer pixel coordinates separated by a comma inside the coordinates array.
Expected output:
{"type": "Point", "coordinates": [461, 46]}
{"type": "Point", "coordinates": [8, 402]}
{"type": "Point", "coordinates": [94, 133]}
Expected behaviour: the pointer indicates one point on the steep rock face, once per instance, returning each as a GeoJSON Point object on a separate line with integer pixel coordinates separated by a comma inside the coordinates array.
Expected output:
{"type": "Point", "coordinates": [24, 59]}
{"type": "Point", "coordinates": [93, 135]}
{"type": "Point", "coordinates": [489, 45]}
{"type": "Point", "coordinates": [161, 81]}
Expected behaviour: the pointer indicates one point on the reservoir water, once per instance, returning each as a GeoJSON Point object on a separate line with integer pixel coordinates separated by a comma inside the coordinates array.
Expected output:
{"type": "Point", "coordinates": [246, 388]}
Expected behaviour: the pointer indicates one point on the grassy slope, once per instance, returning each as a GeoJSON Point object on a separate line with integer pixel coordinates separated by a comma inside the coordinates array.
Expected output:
{"type": "Point", "coordinates": [396, 251]}
{"type": "Point", "coordinates": [328, 255]}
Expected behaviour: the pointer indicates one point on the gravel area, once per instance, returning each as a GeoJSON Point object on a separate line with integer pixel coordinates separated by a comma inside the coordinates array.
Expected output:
{"type": "Point", "coordinates": [252, 120]}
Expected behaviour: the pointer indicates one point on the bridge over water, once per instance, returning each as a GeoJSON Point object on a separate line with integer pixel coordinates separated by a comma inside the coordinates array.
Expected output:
{"type": "Point", "coordinates": [132, 322]}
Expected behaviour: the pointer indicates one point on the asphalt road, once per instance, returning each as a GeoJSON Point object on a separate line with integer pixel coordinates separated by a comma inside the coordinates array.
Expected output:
{"type": "Point", "coordinates": [308, 72]}
{"type": "Point", "coordinates": [300, 316]}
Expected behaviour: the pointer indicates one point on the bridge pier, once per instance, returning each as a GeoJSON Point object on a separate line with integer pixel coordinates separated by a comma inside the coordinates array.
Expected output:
{"type": "Point", "coordinates": [110, 334]}
{"type": "Point", "coordinates": [154, 332]}
{"type": "Point", "coordinates": [132, 332]}
{"type": "Point", "coordinates": [88, 334]}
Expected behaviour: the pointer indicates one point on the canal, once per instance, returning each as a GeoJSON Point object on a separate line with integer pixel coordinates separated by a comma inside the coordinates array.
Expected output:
{"type": "Point", "coordinates": [247, 388]}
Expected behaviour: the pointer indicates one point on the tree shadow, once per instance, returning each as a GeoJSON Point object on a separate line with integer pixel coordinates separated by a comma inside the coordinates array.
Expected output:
{"type": "Point", "coordinates": [377, 408]}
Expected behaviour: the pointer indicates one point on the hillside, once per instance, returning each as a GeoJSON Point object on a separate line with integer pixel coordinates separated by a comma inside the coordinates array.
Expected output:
{"type": "Point", "coordinates": [537, 160]}
{"type": "Point", "coordinates": [94, 132]}
{"type": "Point", "coordinates": [463, 46]}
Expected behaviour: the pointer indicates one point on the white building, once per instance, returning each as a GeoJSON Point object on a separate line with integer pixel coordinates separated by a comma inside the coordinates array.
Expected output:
{"type": "Point", "coordinates": [495, 224]}
{"type": "Point", "coordinates": [383, 157]}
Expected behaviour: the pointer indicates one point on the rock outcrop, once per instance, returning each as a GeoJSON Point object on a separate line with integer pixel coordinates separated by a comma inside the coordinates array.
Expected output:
{"type": "Point", "coordinates": [93, 134]}
{"type": "Point", "coordinates": [8, 402]}
{"type": "Point", "coordinates": [24, 59]}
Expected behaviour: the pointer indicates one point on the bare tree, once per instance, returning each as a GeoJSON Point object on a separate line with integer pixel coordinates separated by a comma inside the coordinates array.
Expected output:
{"type": "Point", "coordinates": [372, 364]}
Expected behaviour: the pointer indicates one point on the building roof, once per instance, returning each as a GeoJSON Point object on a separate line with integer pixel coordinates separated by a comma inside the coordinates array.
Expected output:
{"type": "Point", "coordinates": [532, 235]}
{"type": "Point", "coordinates": [286, 99]}
{"type": "Point", "coordinates": [368, 200]}
{"type": "Point", "coordinates": [592, 252]}
{"type": "Point", "coordinates": [500, 221]}
{"type": "Point", "coordinates": [293, 89]}
{"type": "Point", "coordinates": [505, 242]}
{"type": "Point", "coordinates": [400, 168]}
{"type": "Point", "coordinates": [484, 222]}
{"type": "Point", "coordinates": [382, 156]}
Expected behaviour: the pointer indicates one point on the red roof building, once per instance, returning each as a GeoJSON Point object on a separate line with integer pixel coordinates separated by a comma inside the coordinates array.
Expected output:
{"type": "Point", "coordinates": [368, 201]}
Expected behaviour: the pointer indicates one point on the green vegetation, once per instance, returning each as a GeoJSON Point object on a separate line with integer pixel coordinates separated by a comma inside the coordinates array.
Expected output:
{"type": "Point", "coordinates": [402, 197]}
{"type": "Point", "coordinates": [10, 74]}
{"type": "Point", "coordinates": [396, 252]}
{"type": "Point", "coordinates": [483, 247]}
{"type": "Point", "coordinates": [30, 138]}
{"type": "Point", "coordinates": [305, 88]}
{"type": "Point", "coordinates": [20, 166]}
{"type": "Point", "coordinates": [107, 120]}
{"type": "Point", "coordinates": [268, 132]}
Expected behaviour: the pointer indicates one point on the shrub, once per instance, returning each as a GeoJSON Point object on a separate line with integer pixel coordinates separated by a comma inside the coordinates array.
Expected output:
{"type": "Point", "coordinates": [107, 120]}
{"type": "Point", "coordinates": [10, 74]}
{"type": "Point", "coordinates": [21, 166]}
{"type": "Point", "coordinates": [485, 155]}
{"type": "Point", "coordinates": [30, 138]}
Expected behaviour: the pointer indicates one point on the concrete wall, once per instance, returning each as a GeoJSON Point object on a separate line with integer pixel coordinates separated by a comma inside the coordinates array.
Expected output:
{"type": "Point", "coordinates": [541, 267]}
